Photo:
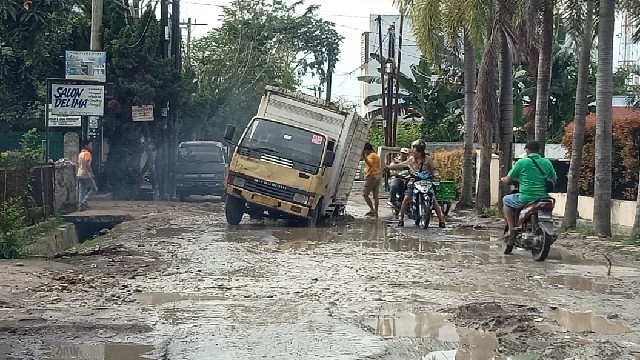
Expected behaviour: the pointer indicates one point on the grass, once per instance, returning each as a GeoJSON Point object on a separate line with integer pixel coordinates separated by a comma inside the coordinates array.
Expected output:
{"type": "Point", "coordinates": [491, 212]}
{"type": "Point", "coordinates": [585, 229]}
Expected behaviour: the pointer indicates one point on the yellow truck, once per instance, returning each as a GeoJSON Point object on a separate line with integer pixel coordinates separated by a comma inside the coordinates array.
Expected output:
{"type": "Point", "coordinates": [296, 159]}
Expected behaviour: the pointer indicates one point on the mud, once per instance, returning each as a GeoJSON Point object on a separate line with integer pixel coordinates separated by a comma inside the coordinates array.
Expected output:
{"type": "Point", "coordinates": [177, 283]}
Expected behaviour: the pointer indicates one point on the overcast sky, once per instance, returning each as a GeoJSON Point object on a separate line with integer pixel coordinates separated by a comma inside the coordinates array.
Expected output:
{"type": "Point", "coordinates": [350, 16]}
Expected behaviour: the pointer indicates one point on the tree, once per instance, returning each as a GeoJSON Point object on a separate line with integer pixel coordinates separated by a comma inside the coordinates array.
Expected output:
{"type": "Point", "coordinates": [260, 42]}
{"type": "Point", "coordinates": [604, 93]}
{"type": "Point", "coordinates": [544, 74]}
{"type": "Point", "coordinates": [506, 113]}
{"type": "Point", "coordinates": [573, 182]}
{"type": "Point", "coordinates": [430, 19]}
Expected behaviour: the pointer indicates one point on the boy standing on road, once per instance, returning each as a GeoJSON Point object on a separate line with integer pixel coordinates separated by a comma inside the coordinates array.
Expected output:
{"type": "Point", "coordinates": [372, 179]}
{"type": "Point", "coordinates": [86, 181]}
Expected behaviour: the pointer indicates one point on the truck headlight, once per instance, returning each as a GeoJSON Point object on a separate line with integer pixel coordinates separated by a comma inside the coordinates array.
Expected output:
{"type": "Point", "coordinates": [299, 198]}
{"type": "Point", "coordinates": [239, 182]}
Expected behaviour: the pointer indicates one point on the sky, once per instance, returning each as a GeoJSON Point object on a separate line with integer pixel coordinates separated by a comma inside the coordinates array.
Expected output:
{"type": "Point", "coordinates": [350, 16]}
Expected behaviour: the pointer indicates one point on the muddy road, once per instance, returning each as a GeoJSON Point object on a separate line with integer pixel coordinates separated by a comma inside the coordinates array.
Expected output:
{"type": "Point", "coordinates": [177, 283]}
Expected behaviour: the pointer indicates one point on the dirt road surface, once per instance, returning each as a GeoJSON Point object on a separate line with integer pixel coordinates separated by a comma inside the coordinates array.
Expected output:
{"type": "Point", "coordinates": [177, 283]}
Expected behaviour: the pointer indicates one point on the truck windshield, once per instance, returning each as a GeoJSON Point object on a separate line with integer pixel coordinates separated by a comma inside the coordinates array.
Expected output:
{"type": "Point", "coordinates": [286, 142]}
{"type": "Point", "coordinates": [200, 153]}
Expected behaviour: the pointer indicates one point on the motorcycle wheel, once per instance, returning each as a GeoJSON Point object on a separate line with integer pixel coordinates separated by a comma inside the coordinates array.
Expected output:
{"type": "Point", "coordinates": [425, 212]}
{"type": "Point", "coordinates": [507, 248]}
{"type": "Point", "coordinates": [415, 209]}
{"type": "Point", "coordinates": [541, 253]}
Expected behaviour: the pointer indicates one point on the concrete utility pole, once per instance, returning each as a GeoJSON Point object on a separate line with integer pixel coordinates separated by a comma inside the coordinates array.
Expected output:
{"type": "Point", "coordinates": [97, 7]}
{"type": "Point", "coordinates": [189, 25]}
{"type": "Point", "coordinates": [384, 112]}
{"type": "Point", "coordinates": [329, 73]}
{"type": "Point", "coordinates": [176, 52]}
{"type": "Point", "coordinates": [389, 69]}
{"type": "Point", "coordinates": [394, 125]}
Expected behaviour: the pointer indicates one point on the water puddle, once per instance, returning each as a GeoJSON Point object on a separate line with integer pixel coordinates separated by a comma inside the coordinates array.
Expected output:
{"type": "Point", "coordinates": [584, 322]}
{"type": "Point", "coordinates": [107, 351]}
{"type": "Point", "coordinates": [167, 232]}
{"type": "Point", "coordinates": [582, 283]}
{"type": "Point", "coordinates": [164, 298]}
{"type": "Point", "coordinates": [465, 289]}
{"type": "Point", "coordinates": [436, 326]}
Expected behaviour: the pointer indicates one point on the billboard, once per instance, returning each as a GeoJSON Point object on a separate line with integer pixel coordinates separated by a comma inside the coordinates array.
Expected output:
{"type": "Point", "coordinates": [86, 65]}
{"type": "Point", "coordinates": [67, 99]}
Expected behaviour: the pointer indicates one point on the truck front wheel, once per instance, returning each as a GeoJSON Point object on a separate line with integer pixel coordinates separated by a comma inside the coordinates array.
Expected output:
{"type": "Point", "coordinates": [234, 210]}
{"type": "Point", "coordinates": [314, 216]}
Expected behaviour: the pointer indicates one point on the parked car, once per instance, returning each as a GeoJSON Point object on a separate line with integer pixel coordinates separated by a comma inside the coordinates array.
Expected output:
{"type": "Point", "coordinates": [201, 169]}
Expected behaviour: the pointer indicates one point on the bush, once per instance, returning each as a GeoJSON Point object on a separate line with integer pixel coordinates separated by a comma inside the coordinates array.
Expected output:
{"type": "Point", "coordinates": [12, 220]}
{"type": "Point", "coordinates": [450, 164]}
{"type": "Point", "coordinates": [626, 146]}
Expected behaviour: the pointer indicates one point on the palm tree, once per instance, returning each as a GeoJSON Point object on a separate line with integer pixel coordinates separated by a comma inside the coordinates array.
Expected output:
{"type": "Point", "coordinates": [466, 196]}
{"type": "Point", "coordinates": [506, 112]}
{"type": "Point", "coordinates": [573, 183]}
{"type": "Point", "coordinates": [544, 74]}
{"type": "Point", "coordinates": [604, 92]}
{"type": "Point", "coordinates": [432, 18]}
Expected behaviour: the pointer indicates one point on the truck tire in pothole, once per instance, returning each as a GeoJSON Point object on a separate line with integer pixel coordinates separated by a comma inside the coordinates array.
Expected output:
{"type": "Point", "coordinates": [315, 216]}
{"type": "Point", "coordinates": [234, 210]}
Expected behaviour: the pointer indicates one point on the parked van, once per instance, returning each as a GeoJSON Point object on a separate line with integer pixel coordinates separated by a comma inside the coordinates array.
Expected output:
{"type": "Point", "coordinates": [201, 169]}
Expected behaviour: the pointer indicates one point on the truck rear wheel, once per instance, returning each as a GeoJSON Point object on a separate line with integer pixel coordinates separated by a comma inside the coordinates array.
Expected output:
{"type": "Point", "coordinates": [234, 210]}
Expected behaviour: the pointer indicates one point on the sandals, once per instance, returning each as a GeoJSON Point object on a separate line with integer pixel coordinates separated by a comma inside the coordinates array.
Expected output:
{"type": "Point", "coordinates": [442, 225]}
{"type": "Point", "coordinates": [401, 223]}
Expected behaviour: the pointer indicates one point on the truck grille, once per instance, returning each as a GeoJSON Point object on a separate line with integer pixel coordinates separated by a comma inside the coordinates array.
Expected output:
{"type": "Point", "coordinates": [260, 187]}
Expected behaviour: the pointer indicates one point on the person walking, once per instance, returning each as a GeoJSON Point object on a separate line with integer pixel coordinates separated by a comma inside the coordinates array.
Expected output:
{"type": "Point", "coordinates": [86, 179]}
{"type": "Point", "coordinates": [372, 179]}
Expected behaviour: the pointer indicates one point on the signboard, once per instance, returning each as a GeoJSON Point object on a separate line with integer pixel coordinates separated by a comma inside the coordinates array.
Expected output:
{"type": "Point", "coordinates": [93, 122]}
{"type": "Point", "coordinates": [65, 121]}
{"type": "Point", "coordinates": [86, 65]}
{"type": "Point", "coordinates": [142, 113]}
{"type": "Point", "coordinates": [77, 99]}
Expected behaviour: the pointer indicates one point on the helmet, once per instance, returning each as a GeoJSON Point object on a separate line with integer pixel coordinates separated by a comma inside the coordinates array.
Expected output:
{"type": "Point", "coordinates": [419, 145]}
{"type": "Point", "coordinates": [404, 150]}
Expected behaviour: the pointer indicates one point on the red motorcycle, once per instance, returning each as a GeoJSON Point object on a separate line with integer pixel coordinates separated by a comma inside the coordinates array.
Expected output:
{"type": "Point", "coordinates": [534, 228]}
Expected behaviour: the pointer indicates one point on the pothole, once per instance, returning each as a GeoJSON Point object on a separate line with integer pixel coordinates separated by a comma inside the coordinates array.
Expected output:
{"type": "Point", "coordinates": [582, 283]}
{"type": "Point", "coordinates": [120, 351]}
{"type": "Point", "coordinates": [465, 289]}
{"type": "Point", "coordinates": [576, 321]}
{"type": "Point", "coordinates": [160, 298]}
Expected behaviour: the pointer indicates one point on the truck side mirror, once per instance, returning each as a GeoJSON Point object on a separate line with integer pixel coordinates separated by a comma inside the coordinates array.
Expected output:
{"type": "Point", "coordinates": [329, 158]}
{"type": "Point", "coordinates": [229, 131]}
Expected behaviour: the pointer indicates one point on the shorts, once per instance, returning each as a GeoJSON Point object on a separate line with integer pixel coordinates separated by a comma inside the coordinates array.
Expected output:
{"type": "Point", "coordinates": [371, 185]}
{"type": "Point", "coordinates": [512, 201]}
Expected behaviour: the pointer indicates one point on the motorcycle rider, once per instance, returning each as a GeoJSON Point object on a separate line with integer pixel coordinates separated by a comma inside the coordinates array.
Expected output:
{"type": "Point", "coordinates": [533, 182]}
{"type": "Point", "coordinates": [418, 162]}
{"type": "Point", "coordinates": [397, 182]}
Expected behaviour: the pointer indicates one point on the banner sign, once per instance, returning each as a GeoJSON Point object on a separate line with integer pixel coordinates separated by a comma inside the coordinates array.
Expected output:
{"type": "Point", "coordinates": [142, 113]}
{"type": "Point", "coordinates": [86, 65]}
{"type": "Point", "coordinates": [65, 121]}
{"type": "Point", "coordinates": [77, 99]}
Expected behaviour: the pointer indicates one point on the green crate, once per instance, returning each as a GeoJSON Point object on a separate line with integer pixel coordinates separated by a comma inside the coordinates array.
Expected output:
{"type": "Point", "coordinates": [446, 191]}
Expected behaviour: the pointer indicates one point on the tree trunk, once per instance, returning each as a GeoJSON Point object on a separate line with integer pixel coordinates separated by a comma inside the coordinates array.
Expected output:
{"type": "Point", "coordinates": [485, 115]}
{"type": "Point", "coordinates": [636, 223]}
{"type": "Point", "coordinates": [604, 92]}
{"type": "Point", "coordinates": [468, 176]}
{"type": "Point", "coordinates": [543, 84]}
{"type": "Point", "coordinates": [506, 113]}
{"type": "Point", "coordinates": [573, 177]}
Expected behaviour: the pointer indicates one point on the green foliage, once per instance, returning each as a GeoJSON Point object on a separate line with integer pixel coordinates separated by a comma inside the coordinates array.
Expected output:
{"type": "Point", "coordinates": [29, 155]}
{"type": "Point", "coordinates": [32, 45]}
{"type": "Point", "coordinates": [260, 42]}
{"type": "Point", "coordinates": [12, 220]}
{"type": "Point", "coordinates": [406, 134]}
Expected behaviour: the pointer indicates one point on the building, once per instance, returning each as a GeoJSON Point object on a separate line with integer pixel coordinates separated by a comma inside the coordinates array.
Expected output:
{"type": "Point", "coordinates": [370, 44]}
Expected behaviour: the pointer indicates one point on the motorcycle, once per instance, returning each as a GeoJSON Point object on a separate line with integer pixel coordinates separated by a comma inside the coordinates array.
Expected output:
{"type": "Point", "coordinates": [396, 201]}
{"type": "Point", "coordinates": [422, 202]}
{"type": "Point", "coordinates": [533, 228]}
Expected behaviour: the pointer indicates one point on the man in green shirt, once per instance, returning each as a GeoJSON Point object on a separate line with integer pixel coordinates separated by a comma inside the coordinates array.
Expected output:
{"type": "Point", "coordinates": [533, 182]}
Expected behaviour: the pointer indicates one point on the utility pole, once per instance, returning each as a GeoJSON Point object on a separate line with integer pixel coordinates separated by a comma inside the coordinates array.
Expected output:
{"type": "Point", "coordinates": [389, 69]}
{"type": "Point", "coordinates": [329, 73]}
{"type": "Point", "coordinates": [384, 123]}
{"type": "Point", "coordinates": [162, 163]}
{"type": "Point", "coordinates": [96, 24]}
{"type": "Point", "coordinates": [176, 50]}
{"type": "Point", "coordinates": [394, 125]}
{"type": "Point", "coordinates": [189, 24]}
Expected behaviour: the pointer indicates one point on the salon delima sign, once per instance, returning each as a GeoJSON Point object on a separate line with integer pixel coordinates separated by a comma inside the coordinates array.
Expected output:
{"type": "Point", "coordinates": [84, 100]}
